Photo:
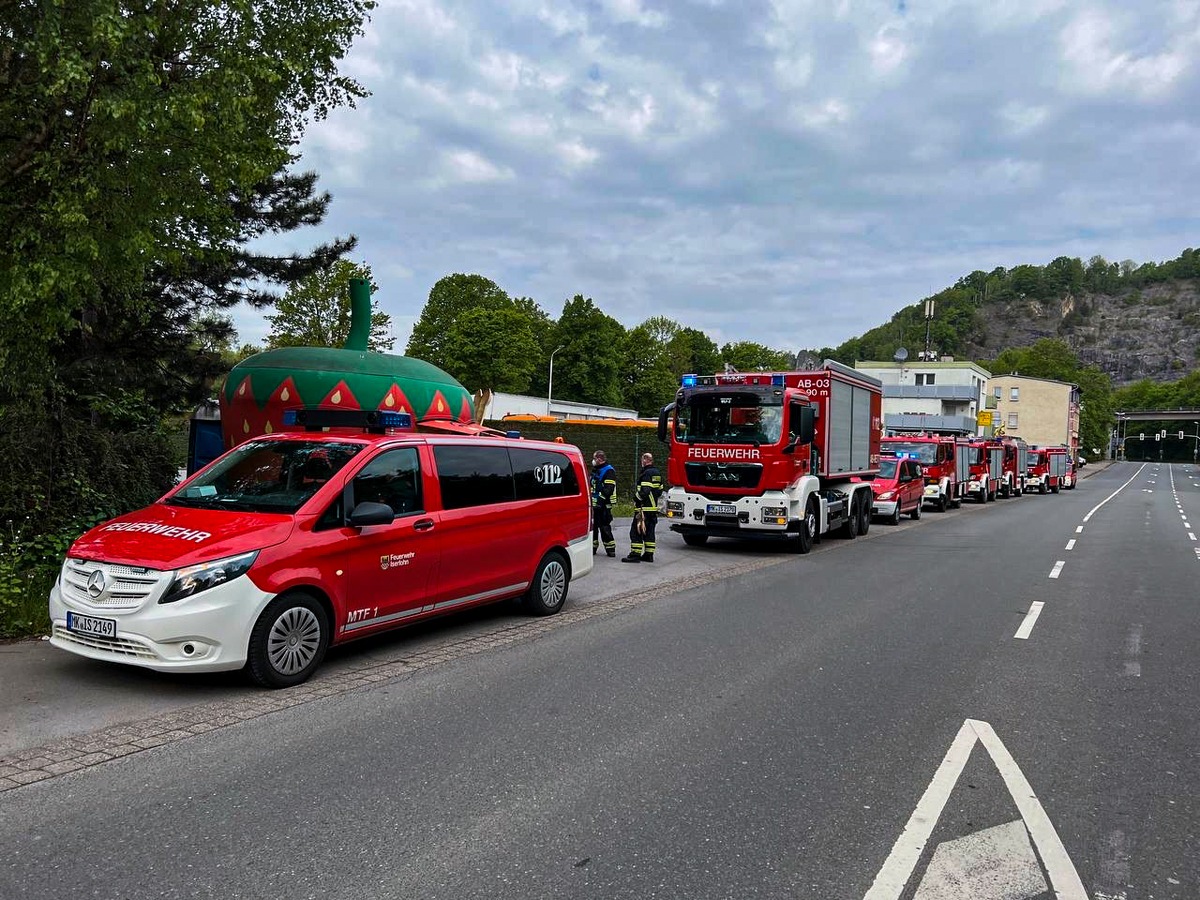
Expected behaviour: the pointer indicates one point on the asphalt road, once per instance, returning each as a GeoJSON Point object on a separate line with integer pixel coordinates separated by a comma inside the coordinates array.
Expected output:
{"type": "Point", "coordinates": [860, 722]}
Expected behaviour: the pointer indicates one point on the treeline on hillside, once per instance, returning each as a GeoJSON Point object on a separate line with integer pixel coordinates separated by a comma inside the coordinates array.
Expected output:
{"type": "Point", "coordinates": [959, 317]}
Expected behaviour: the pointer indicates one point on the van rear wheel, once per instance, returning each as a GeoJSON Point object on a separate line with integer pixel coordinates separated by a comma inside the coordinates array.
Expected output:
{"type": "Point", "coordinates": [548, 591]}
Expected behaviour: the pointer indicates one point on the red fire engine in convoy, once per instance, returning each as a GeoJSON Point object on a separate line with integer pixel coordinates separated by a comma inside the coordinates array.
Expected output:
{"type": "Point", "coordinates": [1048, 468]}
{"type": "Point", "coordinates": [987, 465]}
{"type": "Point", "coordinates": [291, 542]}
{"type": "Point", "coordinates": [1016, 466]}
{"type": "Point", "coordinates": [945, 461]}
{"type": "Point", "coordinates": [784, 455]}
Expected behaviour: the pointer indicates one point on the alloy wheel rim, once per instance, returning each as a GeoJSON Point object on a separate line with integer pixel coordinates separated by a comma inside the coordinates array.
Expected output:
{"type": "Point", "coordinates": [293, 640]}
{"type": "Point", "coordinates": [553, 583]}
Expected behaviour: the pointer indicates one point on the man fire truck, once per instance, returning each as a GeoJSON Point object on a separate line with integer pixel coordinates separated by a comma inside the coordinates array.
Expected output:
{"type": "Point", "coordinates": [946, 463]}
{"type": "Point", "coordinates": [783, 455]}
{"type": "Point", "coordinates": [1016, 466]}
{"type": "Point", "coordinates": [987, 465]}
{"type": "Point", "coordinates": [1048, 467]}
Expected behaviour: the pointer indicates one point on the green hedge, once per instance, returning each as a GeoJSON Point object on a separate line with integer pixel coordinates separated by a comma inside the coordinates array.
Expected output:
{"type": "Point", "coordinates": [61, 472]}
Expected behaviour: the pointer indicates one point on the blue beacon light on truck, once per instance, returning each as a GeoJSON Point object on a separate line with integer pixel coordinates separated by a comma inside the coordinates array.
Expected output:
{"type": "Point", "coordinates": [688, 381]}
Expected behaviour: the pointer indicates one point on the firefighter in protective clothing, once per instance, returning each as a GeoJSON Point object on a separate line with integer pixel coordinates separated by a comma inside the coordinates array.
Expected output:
{"type": "Point", "coordinates": [604, 491]}
{"type": "Point", "coordinates": [645, 497]}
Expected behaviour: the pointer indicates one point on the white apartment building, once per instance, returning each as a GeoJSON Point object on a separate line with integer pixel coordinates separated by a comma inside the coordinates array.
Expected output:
{"type": "Point", "coordinates": [944, 397]}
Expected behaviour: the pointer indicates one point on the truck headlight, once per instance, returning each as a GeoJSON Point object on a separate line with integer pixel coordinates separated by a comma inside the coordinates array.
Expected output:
{"type": "Point", "coordinates": [194, 579]}
{"type": "Point", "coordinates": [774, 515]}
{"type": "Point", "coordinates": [674, 508]}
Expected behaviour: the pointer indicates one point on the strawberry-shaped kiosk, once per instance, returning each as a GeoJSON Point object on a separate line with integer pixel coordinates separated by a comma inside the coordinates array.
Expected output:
{"type": "Point", "coordinates": [261, 387]}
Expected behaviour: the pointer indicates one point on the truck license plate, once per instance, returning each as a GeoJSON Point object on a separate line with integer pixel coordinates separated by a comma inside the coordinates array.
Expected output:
{"type": "Point", "coordinates": [92, 625]}
{"type": "Point", "coordinates": [722, 509]}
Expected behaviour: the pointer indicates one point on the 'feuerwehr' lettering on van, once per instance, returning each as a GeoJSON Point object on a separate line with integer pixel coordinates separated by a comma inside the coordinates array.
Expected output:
{"type": "Point", "coordinates": [722, 453]}
{"type": "Point", "coordinates": [172, 531]}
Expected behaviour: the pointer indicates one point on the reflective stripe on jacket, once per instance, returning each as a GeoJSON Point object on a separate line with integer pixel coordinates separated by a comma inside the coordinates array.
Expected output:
{"type": "Point", "coordinates": [649, 489]}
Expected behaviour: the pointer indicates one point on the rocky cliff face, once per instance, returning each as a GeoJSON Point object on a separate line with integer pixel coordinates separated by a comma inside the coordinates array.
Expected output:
{"type": "Point", "coordinates": [1149, 333]}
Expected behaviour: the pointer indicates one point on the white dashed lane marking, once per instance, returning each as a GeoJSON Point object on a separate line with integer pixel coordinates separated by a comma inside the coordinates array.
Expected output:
{"type": "Point", "coordinates": [1058, 567]}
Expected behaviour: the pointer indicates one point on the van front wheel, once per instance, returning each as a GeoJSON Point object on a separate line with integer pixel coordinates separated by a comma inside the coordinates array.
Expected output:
{"type": "Point", "coordinates": [548, 591]}
{"type": "Point", "coordinates": [288, 641]}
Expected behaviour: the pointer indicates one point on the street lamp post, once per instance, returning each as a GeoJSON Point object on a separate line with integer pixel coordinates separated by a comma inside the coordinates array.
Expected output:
{"type": "Point", "coordinates": [550, 383]}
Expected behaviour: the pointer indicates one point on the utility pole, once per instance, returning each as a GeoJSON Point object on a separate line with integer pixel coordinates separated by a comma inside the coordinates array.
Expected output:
{"type": "Point", "coordinates": [928, 320]}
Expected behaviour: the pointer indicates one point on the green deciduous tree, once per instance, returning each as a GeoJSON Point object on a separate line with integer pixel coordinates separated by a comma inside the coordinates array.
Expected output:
{"type": "Point", "coordinates": [747, 356]}
{"type": "Point", "coordinates": [315, 311]}
{"type": "Point", "coordinates": [588, 368]}
{"type": "Point", "coordinates": [450, 298]}
{"type": "Point", "coordinates": [492, 348]}
{"type": "Point", "coordinates": [127, 131]}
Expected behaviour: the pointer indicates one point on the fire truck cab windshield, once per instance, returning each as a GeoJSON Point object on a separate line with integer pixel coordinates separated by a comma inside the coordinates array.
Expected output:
{"type": "Point", "coordinates": [922, 451]}
{"type": "Point", "coordinates": [730, 418]}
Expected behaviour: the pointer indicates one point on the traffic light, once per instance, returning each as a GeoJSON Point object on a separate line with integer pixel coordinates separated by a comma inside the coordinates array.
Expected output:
{"type": "Point", "coordinates": [1181, 435]}
{"type": "Point", "coordinates": [1158, 437]}
{"type": "Point", "coordinates": [1141, 435]}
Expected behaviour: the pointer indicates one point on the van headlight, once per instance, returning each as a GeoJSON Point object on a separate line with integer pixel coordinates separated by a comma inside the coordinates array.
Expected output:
{"type": "Point", "coordinates": [887, 495]}
{"type": "Point", "coordinates": [194, 579]}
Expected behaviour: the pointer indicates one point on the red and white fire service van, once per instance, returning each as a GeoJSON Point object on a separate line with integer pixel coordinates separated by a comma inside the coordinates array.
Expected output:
{"type": "Point", "coordinates": [899, 489]}
{"type": "Point", "coordinates": [298, 540]}
{"type": "Point", "coordinates": [777, 455]}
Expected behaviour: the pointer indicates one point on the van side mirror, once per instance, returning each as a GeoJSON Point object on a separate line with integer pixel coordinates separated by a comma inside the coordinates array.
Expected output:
{"type": "Point", "coordinates": [366, 514]}
{"type": "Point", "coordinates": [664, 417]}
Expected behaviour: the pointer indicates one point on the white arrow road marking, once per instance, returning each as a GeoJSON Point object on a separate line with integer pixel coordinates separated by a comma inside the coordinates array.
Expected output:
{"type": "Point", "coordinates": [994, 863]}
{"type": "Point", "coordinates": [1058, 567]}
{"type": "Point", "coordinates": [906, 853]}
{"type": "Point", "coordinates": [1031, 617]}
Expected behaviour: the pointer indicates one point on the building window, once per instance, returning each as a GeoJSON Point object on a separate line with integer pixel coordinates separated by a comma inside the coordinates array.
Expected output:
{"type": "Point", "coordinates": [1012, 420]}
{"type": "Point", "coordinates": [1014, 393]}
{"type": "Point", "coordinates": [924, 378]}
{"type": "Point", "coordinates": [997, 391]}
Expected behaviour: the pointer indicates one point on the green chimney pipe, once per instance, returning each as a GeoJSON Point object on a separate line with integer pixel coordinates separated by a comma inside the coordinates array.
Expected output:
{"type": "Point", "coordinates": [360, 315]}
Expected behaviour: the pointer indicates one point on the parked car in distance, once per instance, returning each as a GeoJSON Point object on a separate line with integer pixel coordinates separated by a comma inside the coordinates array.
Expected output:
{"type": "Point", "coordinates": [899, 489]}
{"type": "Point", "coordinates": [1080, 462]}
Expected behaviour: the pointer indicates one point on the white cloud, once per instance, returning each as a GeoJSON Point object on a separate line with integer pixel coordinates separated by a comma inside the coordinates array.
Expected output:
{"type": "Point", "coordinates": [829, 162]}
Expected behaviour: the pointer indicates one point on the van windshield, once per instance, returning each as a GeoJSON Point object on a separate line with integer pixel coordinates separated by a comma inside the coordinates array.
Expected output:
{"type": "Point", "coordinates": [887, 469]}
{"type": "Point", "coordinates": [924, 451]}
{"type": "Point", "coordinates": [270, 476]}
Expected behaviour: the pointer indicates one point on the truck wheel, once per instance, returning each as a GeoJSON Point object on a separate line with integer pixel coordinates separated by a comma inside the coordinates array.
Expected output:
{"type": "Point", "coordinates": [288, 641]}
{"type": "Point", "coordinates": [808, 528]}
{"type": "Point", "coordinates": [548, 591]}
{"type": "Point", "coordinates": [853, 520]}
{"type": "Point", "coordinates": [916, 513]}
{"type": "Point", "coordinates": [942, 503]}
{"type": "Point", "coordinates": [1005, 491]}
{"type": "Point", "coordinates": [695, 540]}
{"type": "Point", "coordinates": [1042, 488]}
{"type": "Point", "coordinates": [864, 507]}
{"type": "Point", "coordinates": [1054, 488]}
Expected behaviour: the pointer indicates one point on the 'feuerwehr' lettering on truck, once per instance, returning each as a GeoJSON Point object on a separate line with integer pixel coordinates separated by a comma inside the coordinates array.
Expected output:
{"type": "Point", "coordinates": [174, 531]}
{"type": "Point", "coordinates": [723, 453]}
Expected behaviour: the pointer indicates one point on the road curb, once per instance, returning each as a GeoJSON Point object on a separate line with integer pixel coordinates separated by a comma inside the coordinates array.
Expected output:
{"type": "Point", "coordinates": [63, 757]}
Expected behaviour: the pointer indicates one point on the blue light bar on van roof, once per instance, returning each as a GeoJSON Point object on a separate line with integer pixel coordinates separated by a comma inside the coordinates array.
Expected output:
{"type": "Point", "coordinates": [777, 380]}
{"type": "Point", "coordinates": [368, 419]}
{"type": "Point", "coordinates": [688, 381]}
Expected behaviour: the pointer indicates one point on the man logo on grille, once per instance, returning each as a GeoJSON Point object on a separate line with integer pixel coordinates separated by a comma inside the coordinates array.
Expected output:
{"type": "Point", "coordinates": [95, 585]}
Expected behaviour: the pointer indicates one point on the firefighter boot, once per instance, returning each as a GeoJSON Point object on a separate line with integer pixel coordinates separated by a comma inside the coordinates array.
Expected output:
{"type": "Point", "coordinates": [647, 557]}
{"type": "Point", "coordinates": [632, 557]}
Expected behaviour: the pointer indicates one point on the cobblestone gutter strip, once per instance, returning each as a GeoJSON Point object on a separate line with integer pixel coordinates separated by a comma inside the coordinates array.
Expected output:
{"type": "Point", "coordinates": [70, 755]}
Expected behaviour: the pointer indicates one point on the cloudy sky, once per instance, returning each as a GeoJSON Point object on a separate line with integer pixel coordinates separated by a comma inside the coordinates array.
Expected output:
{"type": "Point", "coordinates": [785, 171]}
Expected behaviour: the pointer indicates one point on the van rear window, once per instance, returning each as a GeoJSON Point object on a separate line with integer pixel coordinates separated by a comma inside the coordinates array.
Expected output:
{"type": "Point", "coordinates": [543, 473]}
